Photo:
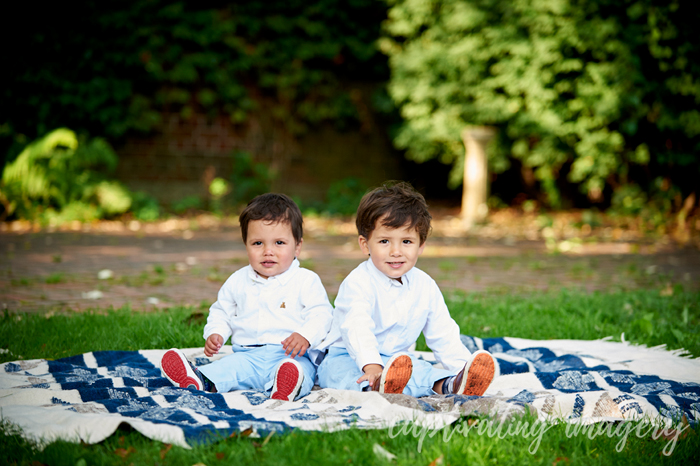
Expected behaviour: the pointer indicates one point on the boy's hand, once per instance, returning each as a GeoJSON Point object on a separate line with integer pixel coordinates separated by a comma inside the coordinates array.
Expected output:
{"type": "Point", "coordinates": [213, 344]}
{"type": "Point", "coordinates": [372, 373]}
{"type": "Point", "coordinates": [295, 344]}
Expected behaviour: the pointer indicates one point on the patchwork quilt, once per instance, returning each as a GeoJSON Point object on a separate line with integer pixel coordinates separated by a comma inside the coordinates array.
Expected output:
{"type": "Point", "coordinates": [86, 397]}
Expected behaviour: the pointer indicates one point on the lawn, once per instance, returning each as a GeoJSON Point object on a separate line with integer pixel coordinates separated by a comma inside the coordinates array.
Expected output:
{"type": "Point", "coordinates": [651, 317]}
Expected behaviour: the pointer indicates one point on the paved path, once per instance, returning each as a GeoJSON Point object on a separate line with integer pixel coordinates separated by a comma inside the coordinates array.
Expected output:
{"type": "Point", "coordinates": [169, 263]}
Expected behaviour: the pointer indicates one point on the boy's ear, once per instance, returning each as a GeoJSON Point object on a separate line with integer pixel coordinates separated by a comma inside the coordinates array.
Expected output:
{"type": "Point", "coordinates": [297, 249]}
{"type": "Point", "coordinates": [363, 244]}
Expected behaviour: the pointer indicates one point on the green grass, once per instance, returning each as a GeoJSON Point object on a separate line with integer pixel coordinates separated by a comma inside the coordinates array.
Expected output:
{"type": "Point", "coordinates": [645, 316]}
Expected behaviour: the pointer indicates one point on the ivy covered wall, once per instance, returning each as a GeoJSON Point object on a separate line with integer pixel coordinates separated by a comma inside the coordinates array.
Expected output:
{"type": "Point", "coordinates": [113, 68]}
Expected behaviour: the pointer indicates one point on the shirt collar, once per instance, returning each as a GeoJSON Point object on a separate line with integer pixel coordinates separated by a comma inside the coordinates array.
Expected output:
{"type": "Point", "coordinates": [283, 278]}
{"type": "Point", "coordinates": [388, 282]}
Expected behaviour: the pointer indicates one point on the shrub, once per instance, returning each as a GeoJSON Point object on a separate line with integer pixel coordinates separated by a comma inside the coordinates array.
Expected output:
{"type": "Point", "coordinates": [61, 177]}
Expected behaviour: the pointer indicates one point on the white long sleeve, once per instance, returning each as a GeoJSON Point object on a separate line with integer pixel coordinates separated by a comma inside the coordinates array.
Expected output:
{"type": "Point", "coordinates": [255, 311]}
{"type": "Point", "coordinates": [376, 315]}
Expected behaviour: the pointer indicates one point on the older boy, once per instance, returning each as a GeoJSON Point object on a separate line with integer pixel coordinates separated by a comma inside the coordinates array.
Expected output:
{"type": "Point", "coordinates": [275, 312]}
{"type": "Point", "coordinates": [386, 302]}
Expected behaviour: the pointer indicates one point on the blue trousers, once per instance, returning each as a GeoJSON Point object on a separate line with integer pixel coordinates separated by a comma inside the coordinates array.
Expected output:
{"type": "Point", "coordinates": [338, 370]}
{"type": "Point", "coordinates": [254, 368]}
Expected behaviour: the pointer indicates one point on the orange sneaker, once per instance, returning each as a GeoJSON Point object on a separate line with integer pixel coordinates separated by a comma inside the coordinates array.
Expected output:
{"type": "Point", "coordinates": [395, 375]}
{"type": "Point", "coordinates": [477, 374]}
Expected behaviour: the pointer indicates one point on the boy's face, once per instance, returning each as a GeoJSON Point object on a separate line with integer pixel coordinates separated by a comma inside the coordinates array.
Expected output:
{"type": "Point", "coordinates": [394, 251]}
{"type": "Point", "coordinates": [271, 247]}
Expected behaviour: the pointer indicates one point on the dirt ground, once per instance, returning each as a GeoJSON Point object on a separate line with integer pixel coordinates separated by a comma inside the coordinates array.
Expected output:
{"type": "Point", "coordinates": [185, 261]}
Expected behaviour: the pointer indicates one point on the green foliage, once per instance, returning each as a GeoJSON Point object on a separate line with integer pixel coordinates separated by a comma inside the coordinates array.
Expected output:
{"type": "Point", "coordinates": [145, 207]}
{"type": "Point", "coordinates": [186, 204]}
{"type": "Point", "coordinates": [218, 188]}
{"type": "Point", "coordinates": [113, 67]}
{"type": "Point", "coordinates": [249, 178]}
{"type": "Point", "coordinates": [61, 178]}
{"type": "Point", "coordinates": [590, 90]}
{"type": "Point", "coordinates": [341, 199]}
{"type": "Point", "coordinates": [652, 205]}
{"type": "Point", "coordinates": [343, 196]}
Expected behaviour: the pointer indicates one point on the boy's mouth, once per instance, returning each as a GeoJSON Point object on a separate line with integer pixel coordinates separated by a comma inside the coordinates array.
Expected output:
{"type": "Point", "coordinates": [268, 263]}
{"type": "Point", "coordinates": [395, 265]}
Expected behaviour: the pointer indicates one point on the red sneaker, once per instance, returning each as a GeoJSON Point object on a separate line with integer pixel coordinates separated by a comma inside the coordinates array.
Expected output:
{"type": "Point", "coordinates": [477, 374]}
{"type": "Point", "coordinates": [288, 379]}
{"type": "Point", "coordinates": [395, 375]}
{"type": "Point", "coordinates": [179, 371]}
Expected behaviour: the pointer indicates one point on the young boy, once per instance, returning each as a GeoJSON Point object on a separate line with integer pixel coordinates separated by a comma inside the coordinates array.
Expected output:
{"type": "Point", "coordinates": [386, 302]}
{"type": "Point", "coordinates": [275, 312]}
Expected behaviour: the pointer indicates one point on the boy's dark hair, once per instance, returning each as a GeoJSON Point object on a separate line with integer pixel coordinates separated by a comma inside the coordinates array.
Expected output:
{"type": "Point", "coordinates": [399, 204]}
{"type": "Point", "coordinates": [273, 207]}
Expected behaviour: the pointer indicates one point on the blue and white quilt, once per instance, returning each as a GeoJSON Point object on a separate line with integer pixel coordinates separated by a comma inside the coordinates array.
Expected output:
{"type": "Point", "coordinates": [86, 397]}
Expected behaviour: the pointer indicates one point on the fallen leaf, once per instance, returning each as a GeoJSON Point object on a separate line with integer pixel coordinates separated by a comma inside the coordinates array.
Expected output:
{"type": "Point", "coordinates": [247, 432]}
{"type": "Point", "coordinates": [165, 450]}
{"type": "Point", "coordinates": [220, 456]}
{"type": "Point", "coordinates": [669, 435]}
{"type": "Point", "coordinates": [438, 461]}
{"type": "Point", "coordinates": [124, 452]}
{"type": "Point", "coordinates": [94, 294]}
{"type": "Point", "coordinates": [560, 459]}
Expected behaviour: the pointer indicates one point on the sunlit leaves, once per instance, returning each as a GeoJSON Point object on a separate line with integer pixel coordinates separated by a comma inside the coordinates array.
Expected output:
{"type": "Point", "coordinates": [570, 84]}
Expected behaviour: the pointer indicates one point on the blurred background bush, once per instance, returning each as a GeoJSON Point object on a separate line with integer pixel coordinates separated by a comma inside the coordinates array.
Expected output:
{"type": "Point", "coordinates": [595, 104]}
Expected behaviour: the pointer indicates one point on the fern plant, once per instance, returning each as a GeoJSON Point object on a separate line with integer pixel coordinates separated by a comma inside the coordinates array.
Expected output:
{"type": "Point", "coordinates": [60, 177]}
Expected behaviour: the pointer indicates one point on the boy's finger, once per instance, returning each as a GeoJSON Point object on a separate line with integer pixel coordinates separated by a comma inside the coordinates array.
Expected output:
{"type": "Point", "coordinates": [298, 350]}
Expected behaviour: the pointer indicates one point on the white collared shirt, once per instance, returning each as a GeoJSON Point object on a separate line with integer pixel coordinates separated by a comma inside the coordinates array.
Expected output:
{"type": "Point", "coordinates": [375, 314]}
{"type": "Point", "coordinates": [255, 311]}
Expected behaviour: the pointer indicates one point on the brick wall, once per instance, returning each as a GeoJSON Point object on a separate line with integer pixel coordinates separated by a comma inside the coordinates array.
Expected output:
{"type": "Point", "coordinates": [185, 154]}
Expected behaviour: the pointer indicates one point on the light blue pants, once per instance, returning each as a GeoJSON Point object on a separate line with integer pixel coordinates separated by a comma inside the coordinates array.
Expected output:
{"type": "Point", "coordinates": [338, 370]}
{"type": "Point", "coordinates": [254, 368]}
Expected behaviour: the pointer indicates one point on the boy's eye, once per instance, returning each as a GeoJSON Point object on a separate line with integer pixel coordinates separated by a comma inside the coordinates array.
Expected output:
{"type": "Point", "coordinates": [407, 241]}
{"type": "Point", "coordinates": [257, 243]}
{"type": "Point", "coordinates": [280, 242]}
{"type": "Point", "coordinates": [383, 241]}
